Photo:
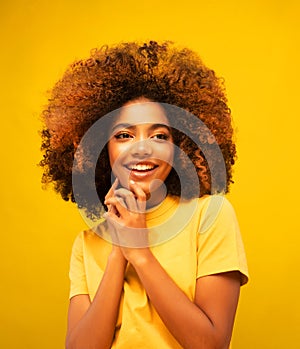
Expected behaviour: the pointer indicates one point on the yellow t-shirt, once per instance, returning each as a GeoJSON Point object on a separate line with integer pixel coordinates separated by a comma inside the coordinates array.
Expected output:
{"type": "Point", "coordinates": [190, 239]}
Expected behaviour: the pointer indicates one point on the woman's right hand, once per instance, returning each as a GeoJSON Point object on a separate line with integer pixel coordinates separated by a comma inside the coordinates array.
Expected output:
{"type": "Point", "coordinates": [116, 252]}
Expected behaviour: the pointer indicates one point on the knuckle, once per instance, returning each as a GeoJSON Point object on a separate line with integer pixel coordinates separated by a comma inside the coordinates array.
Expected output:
{"type": "Point", "coordinates": [143, 197]}
{"type": "Point", "coordinates": [122, 192]}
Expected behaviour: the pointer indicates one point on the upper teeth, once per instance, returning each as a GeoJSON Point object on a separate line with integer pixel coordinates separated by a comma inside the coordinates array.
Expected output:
{"type": "Point", "coordinates": [141, 167]}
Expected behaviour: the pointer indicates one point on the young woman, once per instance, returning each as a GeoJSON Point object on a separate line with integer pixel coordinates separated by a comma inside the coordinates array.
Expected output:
{"type": "Point", "coordinates": [164, 266]}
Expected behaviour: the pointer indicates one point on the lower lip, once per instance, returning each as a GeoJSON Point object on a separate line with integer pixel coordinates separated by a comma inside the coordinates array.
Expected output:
{"type": "Point", "coordinates": [135, 175]}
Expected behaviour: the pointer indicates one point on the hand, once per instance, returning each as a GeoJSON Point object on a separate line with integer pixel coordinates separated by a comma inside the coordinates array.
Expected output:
{"type": "Point", "coordinates": [116, 252]}
{"type": "Point", "coordinates": [126, 218]}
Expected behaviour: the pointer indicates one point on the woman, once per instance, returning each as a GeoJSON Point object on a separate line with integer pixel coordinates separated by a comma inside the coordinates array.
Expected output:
{"type": "Point", "coordinates": [164, 267]}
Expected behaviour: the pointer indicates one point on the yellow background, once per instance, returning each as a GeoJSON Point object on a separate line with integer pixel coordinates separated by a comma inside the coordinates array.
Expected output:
{"type": "Point", "coordinates": [255, 46]}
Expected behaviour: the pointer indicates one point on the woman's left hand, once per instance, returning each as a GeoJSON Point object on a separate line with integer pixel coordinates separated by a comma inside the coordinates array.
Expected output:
{"type": "Point", "coordinates": [128, 220]}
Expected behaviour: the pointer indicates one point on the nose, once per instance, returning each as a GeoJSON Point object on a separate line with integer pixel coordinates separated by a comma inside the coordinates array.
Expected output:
{"type": "Point", "coordinates": [141, 149]}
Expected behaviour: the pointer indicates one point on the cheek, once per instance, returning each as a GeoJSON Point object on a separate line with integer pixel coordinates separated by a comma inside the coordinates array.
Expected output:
{"type": "Point", "coordinates": [168, 154]}
{"type": "Point", "coordinates": [111, 155]}
{"type": "Point", "coordinates": [116, 153]}
{"type": "Point", "coordinates": [113, 152]}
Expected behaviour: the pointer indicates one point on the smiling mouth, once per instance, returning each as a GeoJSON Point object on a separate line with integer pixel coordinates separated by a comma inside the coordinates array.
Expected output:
{"type": "Point", "coordinates": [141, 167]}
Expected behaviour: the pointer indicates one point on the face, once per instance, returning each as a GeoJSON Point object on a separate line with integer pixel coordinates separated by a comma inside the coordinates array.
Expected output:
{"type": "Point", "coordinates": [141, 146]}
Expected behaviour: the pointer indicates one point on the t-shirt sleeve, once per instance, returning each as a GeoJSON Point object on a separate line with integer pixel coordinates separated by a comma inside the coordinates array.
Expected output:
{"type": "Point", "coordinates": [220, 248]}
{"type": "Point", "coordinates": [77, 275]}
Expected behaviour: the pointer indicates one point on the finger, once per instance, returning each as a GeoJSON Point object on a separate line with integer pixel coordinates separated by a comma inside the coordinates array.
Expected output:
{"type": "Point", "coordinates": [125, 236]}
{"type": "Point", "coordinates": [113, 219]}
{"type": "Point", "coordinates": [112, 209]}
{"type": "Point", "coordinates": [118, 204]}
{"type": "Point", "coordinates": [139, 194]}
{"type": "Point", "coordinates": [110, 193]}
{"type": "Point", "coordinates": [138, 191]}
{"type": "Point", "coordinates": [129, 199]}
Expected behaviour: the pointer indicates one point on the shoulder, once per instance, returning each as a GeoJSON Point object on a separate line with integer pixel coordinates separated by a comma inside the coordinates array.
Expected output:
{"type": "Point", "coordinates": [84, 236]}
{"type": "Point", "coordinates": [94, 235]}
{"type": "Point", "coordinates": [214, 210]}
{"type": "Point", "coordinates": [220, 246]}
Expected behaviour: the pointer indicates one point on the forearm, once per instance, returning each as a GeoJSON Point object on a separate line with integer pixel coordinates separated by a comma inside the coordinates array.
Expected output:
{"type": "Point", "coordinates": [186, 321]}
{"type": "Point", "coordinates": [96, 328]}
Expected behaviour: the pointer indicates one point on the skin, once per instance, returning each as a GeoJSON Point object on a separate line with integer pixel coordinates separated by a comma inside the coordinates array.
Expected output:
{"type": "Point", "coordinates": [206, 322]}
{"type": "Point", "coordinates": [141, 137]}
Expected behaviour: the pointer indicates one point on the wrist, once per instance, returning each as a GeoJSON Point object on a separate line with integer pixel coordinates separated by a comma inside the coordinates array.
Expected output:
{"type": "Point", "coordinates": [116, 256]}
{"type": "Point", "coordinates": [139, 257]}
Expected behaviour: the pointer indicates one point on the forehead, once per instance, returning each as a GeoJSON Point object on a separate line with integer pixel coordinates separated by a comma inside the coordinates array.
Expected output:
{"type": "Point", "coordinates": [141, 113]}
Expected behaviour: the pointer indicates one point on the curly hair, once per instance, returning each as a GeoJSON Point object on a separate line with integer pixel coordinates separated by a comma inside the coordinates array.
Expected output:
{"type": "Point", "coordinates": [93, 87]}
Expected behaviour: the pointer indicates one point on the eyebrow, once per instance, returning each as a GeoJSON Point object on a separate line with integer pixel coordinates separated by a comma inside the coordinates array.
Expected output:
{"type": "Point", "coordinates": [152, 127]}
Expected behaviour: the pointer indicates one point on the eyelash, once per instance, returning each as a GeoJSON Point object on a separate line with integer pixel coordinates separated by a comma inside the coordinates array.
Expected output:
{"type": "Point", "coordinates": [161, 136]}
{"type": "Point", "coordinates": [122, 135]}
{"type": "Point", "coordinates": [126, 135]}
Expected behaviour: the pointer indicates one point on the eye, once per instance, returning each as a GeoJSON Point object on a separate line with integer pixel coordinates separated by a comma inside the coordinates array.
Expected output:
{"type": "Point", "coordinates": [123, 135]}
{"type": "Point", "coordinates": [161, 136]}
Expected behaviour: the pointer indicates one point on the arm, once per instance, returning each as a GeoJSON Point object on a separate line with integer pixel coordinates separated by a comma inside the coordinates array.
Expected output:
{"type": "Point", "coordinates": [206, 323]}
{"type": "Point", "coordinates": [92, 324]}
